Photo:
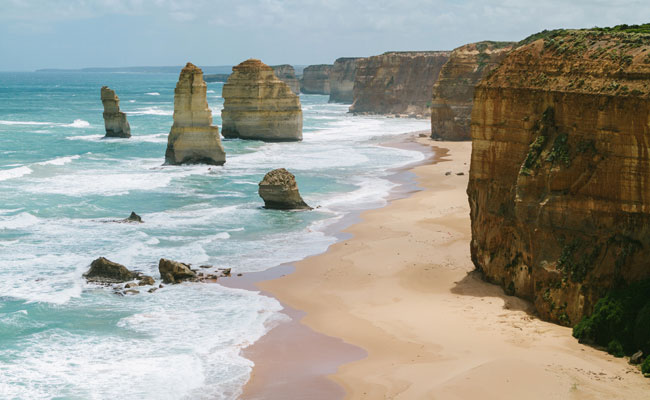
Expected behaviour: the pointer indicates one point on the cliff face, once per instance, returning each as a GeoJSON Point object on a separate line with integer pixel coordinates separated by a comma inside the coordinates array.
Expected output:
{"type": "Point", "coordinates": [258, 105]}
{"type": "Point", "coordinates": [342, 80]}
{"type": "Point", "coordinates": [560, 177]}
{"type": "Point", "coordinates": [397, 82]}
{"type": "Point", "coordinates": [316, 79]}
{"type": "Point", "coordinates": [114, 120]}
{"type": "Point", "coordinates": [193, 138]}
{"type": "Point", "coordinates": [451, 106]}
{"type": "Point", "coordinates": [287, 74]}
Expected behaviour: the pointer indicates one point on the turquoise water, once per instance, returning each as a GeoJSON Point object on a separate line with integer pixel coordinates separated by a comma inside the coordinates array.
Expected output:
{"type": "Point", "coordinates": [61, 185]}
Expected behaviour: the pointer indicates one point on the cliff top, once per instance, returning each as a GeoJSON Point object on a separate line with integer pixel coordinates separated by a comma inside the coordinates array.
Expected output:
{"type": "Point", "coordinates": [610, 61]}
{"type": "Point", "coordinates": [416, 53]}
{"type": "Point", "coordinates": [251, 64]}
{"type": "Point", "coordinates": [189, 67]}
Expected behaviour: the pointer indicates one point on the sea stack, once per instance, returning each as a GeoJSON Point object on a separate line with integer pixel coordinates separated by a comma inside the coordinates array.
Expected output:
{"type": "Point", "coordinates": [193, 139]}
{"type": "Point", "coordinates": [342, 80]}
{"type": "Point", "coordinates": [114, 120]}
{"type": "Point", "coordinates": [316, 79]}
{"type": "Point", "coordinates": [287, 74]}
{"type": "Point", "coordinates": [258, 105]}
{"type": "Point", "coordinates": [279, 191]}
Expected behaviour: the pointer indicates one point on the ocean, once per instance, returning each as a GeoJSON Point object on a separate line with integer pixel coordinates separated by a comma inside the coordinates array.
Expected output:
{"type": "Point", "coordinates": [61, 188]}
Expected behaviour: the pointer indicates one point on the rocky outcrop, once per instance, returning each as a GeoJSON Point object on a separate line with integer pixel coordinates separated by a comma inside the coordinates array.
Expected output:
{"type": "Point", "coordinates": [316, 79]}
{"type": "Point", "coordinates": [279, 191]}
{"type": "Point", "coordinates": [193, 139]}
{"type": "Point", "coordinates": [103, 270]}
{"type": "Point", "coordinates": [397, 83]}
{"type": "Point", "coordinates": [114, 120]}
{"type": "Point", "coordinates": [258, 105]}
{"type": "Point", "coordinates": [559, 183]}
{"type": "Point", "coordinates": [342, 80]}
{"type": "Point", "coordinates": [451, 106]}
{"type": "Point", "coordinates": [174, 271]}
{"type": "Point", "coordinates": [287, 74]}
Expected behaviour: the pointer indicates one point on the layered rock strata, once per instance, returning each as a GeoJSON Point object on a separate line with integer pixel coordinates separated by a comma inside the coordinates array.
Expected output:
{"type": "Point", "coordinates": [114, 120]}
{"type": "Point", "coordinates": [342, 80]}
{"type": "Point", "coordinates": [451, 105]}
{"type": "Point", "coordinates": [397, 83]}
{"type": "Point", "coordinates": [287, 74]}
{"type": "Point", "coordinates": [559, 183]}
{"type": "Point", "coordinates": [193, 139]}
{"type": "Point", "coordinates": [258, 105]}
{"type": "Point", "coordinates": [279, 191]}
{"type": "Point", "coordinates": [316, 79]}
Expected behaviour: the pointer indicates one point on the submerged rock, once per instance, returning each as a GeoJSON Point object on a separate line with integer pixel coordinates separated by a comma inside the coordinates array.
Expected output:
{"type": "Point", "coordinates": [114, 120]}
{"type": "Point", "coordinates": [132, 218]}
{"type": "Point", "coordinates": [193, 139]}
{"type": "Point", "coordinates": [103, 270]}
{"type": "Point", "coordinates": [258, 105]}
{"type": "Point", "coordinates": [146, 280]}
{"type": "Point", "coordinates": [279, 191]}
{"type": "Point", "coordinates": [174, 271]}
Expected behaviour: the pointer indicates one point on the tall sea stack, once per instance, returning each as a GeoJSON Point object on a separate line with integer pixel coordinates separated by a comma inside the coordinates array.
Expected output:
{"type": "Point", "coordinates": [316, 79]}
{"type": "Point", "coordinates": [193, 139]}
{"type": "Point", "coordinates": [114, 120]}
{"type": "Point", "coordinates": [287, 74]}
{"type": "Point", "coordinates": [342, 80]}
{"type": "Point", "coordinates": [451, 106]}
{"type": "Point", "coordinates": [559, 185]}
{"type": "Point", "coordinates": [258, 105]}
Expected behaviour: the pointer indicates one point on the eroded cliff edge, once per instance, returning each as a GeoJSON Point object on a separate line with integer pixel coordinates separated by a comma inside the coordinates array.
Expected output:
{"type": "Point", "coordinates": [453, 92]}
{"type": "Point", "coordinates": [397, 83]}
{"type": "Point", "coordinates": [559, 184]}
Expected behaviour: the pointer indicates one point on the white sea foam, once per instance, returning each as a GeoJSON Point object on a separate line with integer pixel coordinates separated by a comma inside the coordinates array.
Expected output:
{"type": "Point", "coordinates": [151, 111]}
{"type": "Point", "coordinates": [60, 160]}
{"type": "Point", "coordinates": [2, 122]}
{"type": "Point", "coordinates": [78, 123]}
{"type": "Point", "coordinates": [131, 101]}
{"type": "Point", "coordinates": [18, 221]}
{"type": "Point", "coordinates": [210, 91]}
{"type": "Point", "coordinates": [153, 94]}
{"type": "Point", "coordinates": [14, 173]}
{"type": "Point", "coordinates": [87, 138]}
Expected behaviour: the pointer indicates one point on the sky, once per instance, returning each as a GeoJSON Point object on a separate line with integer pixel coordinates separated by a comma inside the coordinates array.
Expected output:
{"type": "Point", "coordinates": [118, 33]}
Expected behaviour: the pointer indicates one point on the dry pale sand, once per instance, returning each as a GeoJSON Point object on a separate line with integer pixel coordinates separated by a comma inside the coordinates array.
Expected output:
{"type": "Point", "coordinates": [402, 290]}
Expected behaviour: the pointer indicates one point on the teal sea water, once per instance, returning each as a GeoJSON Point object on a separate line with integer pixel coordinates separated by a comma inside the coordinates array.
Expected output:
{"type": "Point", "coordinates": [60, 186]}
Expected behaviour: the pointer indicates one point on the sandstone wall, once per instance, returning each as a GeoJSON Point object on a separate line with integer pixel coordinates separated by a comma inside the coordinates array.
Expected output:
{"type": "Point", "coordinates": [451, 105]}
{"type": "Point", "coordinates": [287, 74]}
{"type": "Point", "coordinates": [342, 80]}
{"type": "Point", "coordinates": [560, 177]}
{"type": "Point", "coordinates": [316, 79]}
{"type": "Point", "coordinates": [397, 83]}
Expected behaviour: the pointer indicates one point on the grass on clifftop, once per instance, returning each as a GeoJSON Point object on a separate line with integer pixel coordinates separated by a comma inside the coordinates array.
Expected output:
{"type": "Point", "coordinates": [552, 34]}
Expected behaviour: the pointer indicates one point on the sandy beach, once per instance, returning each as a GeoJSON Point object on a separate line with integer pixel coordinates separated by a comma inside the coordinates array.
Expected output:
{"type": "Point", "coordinates": [401, 288]}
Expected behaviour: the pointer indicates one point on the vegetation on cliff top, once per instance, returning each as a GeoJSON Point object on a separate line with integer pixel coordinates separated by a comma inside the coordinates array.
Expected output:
{"type": "Point", "coordinates": [552, 34]}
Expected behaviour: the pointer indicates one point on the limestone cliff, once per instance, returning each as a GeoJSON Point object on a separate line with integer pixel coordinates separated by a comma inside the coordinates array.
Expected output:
{"type": "Point", "coordinates": [114, 120]}
{"type": "Point", "coordinates": [451, 106]}
{"type": "Point", "coordinates": [342, 80]}
{"type": "Point", "coordinates": [560, 176]}
{"type": "Point", "coordinates": [287, 74]}
{"type": "Point", "coordinates": [258, 105]}
{"type": "Point", "coordinates": [316, 79]}
{"type": "Point", "coordinates": [193, 138]}
{"type": "Point", "coordinates": [397, 83]}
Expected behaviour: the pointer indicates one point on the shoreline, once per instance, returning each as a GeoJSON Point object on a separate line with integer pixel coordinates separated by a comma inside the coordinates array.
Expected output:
{"type": "Point", "coordinates": [401, 287]}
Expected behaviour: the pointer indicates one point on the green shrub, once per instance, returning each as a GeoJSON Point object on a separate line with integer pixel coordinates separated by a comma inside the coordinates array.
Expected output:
{"type": "Point", "coordinates": [615, 348]}
{"type": "Point", "coordinates": [645, 367]}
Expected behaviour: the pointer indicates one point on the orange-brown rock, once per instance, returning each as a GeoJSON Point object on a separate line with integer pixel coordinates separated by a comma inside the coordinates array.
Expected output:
{"type": "Point", "coordinates": [560, 177]}
{"type": "Point", "coordinates": [342, 80]}
{"type": "Point", "coordinates": [258, 105]}
{"type": "Point", "coordinates": [287, 74]}
{"type": "Point", "coordinates": [451, 106]}
{"type": "Point", "coordinates": [316, 79]}
{"type": "Point", "coordinates": [193, 138]}
{"type": "Point", "coordinates": [397, 83]}
{"type": "Point", "coordinates": [114, 120]}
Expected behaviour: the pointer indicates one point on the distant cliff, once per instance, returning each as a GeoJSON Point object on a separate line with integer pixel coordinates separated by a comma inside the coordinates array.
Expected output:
{"type": "Point", "coordinates": [216, 77]}
{"type": "Point", "coordinates": [342, 80]}
{"type": "Point", "coordinates": [316, 79]}
{"type": "Point", "coordinates": [559, 183]}
{"type": "Point", "coordinates": [397, 82]}
{"type": "Point", "coordinates": [451, 106]}
{"type": "Point", "coordinates": [287, 74]}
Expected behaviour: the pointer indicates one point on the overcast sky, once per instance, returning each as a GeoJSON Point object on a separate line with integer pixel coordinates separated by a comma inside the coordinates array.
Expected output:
{"type": "Point", "coordinates": [113, 33]}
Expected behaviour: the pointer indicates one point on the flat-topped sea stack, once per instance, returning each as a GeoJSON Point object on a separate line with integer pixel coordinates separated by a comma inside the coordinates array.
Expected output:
{"type": "Point", "coordinates": [453, 93]}
{"type": "Point", "coordinates": [559, 183]}
{"type": "Point", "coordinates": [193, 139]}
{"type": "Point", "coordinates": [316, 79]}
{"type": "Point", "coordinates": [397, 83]}
{"type": "Point", "coordinates": [287, 74]}
{"type": "Point", "coordinates": [114, 120]}
{"type": "Point", "coordinates": [342, 80]}
{"type": "Point", "coordinates": [258, 105]}
{"type": "Point", "coordinates": [279, 191]}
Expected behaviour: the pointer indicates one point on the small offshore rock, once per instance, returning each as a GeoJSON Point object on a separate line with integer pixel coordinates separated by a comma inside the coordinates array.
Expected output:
{"type": "Point", "coordinates": [205, 266]}
{"type": "Point", "coordinates": [423, 135]}
{"type": "Point", "coordinates": [131, 285]}
{"type": "Point", "coordinates": [131, 291]}
{"type": "Point", "coordinates": [279, 191]}
{"type": "Point", "coordinates": [133, 218]}
{"type": "Point", "coordinates": [146, 280]}
{"type": "Point", "coordinates": [103, 270]}
{"type": "Point", "coordinates": [174, 271]}
{"type": "Point", "coordinates": [161, 286]}
{"type": "Point", "coordinates": [153, 289]}
{"type": "Point", "coordinates": [225, 271]}
{"type": "Point", "coordinates": [240, 274]}
{"type": "Point", "coordinates": [636, 357]}
{"type": "Point", "coordinates": [114, 120]}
